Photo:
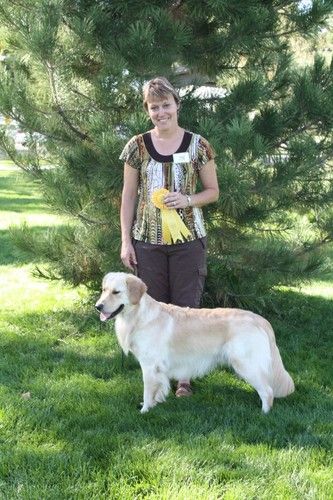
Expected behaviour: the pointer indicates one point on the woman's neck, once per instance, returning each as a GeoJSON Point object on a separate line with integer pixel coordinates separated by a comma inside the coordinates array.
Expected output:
{"type": "Point", "coordinates": [167, 142]}
{"type": "Point", "coordinates": [166, 134]}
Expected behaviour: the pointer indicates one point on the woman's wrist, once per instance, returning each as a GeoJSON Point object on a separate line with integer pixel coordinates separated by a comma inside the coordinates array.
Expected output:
{"type": "Point", "coordinates": [126, 240]}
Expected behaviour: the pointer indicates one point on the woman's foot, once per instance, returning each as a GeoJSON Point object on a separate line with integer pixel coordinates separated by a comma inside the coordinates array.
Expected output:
{"type": "Point", "coordinates": [184, 389]}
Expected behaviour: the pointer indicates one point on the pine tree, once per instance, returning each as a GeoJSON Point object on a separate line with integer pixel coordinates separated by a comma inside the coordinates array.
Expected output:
{"type": "Point", "coordinates": [71, 74]}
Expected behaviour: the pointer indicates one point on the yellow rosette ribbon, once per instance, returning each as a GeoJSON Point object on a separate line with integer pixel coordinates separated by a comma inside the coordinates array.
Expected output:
{"type": "Point", "coordinates": [173, 228]}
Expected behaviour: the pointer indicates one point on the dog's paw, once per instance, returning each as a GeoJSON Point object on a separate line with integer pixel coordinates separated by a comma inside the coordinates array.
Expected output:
{"type": "Point", "coordinates": [144, 409]}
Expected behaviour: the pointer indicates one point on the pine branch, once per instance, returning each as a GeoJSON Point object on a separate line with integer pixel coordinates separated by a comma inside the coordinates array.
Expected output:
{"type": "Point", "coordinates": [23, 5]}
{"type": "Point", "coordinates": [50, 275]}
{"type": "Point", "coordinates": [27, 126]}
{"type": "Point", "coordinates": [87, 98]}
{"type": "Point", "coordinates": [94, 222]}
{"type": "Point", "coordinates": [13, 156]}
{"type": "Point", "coordinates": [59, 108]}
{"type": "Point", "coordinates": [273, 230]}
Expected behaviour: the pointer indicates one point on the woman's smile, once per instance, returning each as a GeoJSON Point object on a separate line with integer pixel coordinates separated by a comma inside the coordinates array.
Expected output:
{"type": "Point", "coordinates": [163, 112]}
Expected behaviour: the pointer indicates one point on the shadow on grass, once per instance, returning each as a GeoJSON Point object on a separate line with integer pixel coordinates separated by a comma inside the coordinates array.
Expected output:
{"type": "Point", "coordinates": [23, 205]}
{"type": "Point", "coordinates": [19, 193]}
{"type": "Point", "coordinates": [82, 394]}
{"type": "Point", "coordinates": [19, 196]}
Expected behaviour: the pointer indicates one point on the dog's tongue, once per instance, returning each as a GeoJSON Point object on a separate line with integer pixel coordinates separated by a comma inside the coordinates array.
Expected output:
{"type": "Point", "coordinates": [104, 317]}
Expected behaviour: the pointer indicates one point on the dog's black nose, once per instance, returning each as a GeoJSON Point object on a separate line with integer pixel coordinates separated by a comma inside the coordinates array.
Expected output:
{"type": "Point", "coordinates": [99, 307]}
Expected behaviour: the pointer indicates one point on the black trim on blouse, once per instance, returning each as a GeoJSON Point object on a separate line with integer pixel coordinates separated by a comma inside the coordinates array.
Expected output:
{"type": "Point", "coordinates": [165, 158]}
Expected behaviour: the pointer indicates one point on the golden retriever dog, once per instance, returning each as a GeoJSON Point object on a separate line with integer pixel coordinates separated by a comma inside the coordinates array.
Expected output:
{"type": "Point", "coordinates": [180, 343]}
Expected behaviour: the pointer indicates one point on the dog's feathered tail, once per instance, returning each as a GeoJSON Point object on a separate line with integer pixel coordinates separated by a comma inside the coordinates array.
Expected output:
{"type": "Point", "coordinates": [282, 383]}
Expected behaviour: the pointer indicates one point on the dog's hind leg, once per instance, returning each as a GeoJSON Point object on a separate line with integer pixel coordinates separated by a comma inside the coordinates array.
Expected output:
{"type": "Point", "coordinates": [255, 376]}
{"type": "Point", "coordinates": [266, 395]}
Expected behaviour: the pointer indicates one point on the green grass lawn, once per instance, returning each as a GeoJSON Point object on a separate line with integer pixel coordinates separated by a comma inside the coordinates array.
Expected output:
{"type": "Point", "coordinates": [70, 427]}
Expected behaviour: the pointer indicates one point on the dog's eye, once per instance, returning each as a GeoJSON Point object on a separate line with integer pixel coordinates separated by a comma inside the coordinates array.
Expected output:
{"type": "Point", "coordinates": [115, 292]}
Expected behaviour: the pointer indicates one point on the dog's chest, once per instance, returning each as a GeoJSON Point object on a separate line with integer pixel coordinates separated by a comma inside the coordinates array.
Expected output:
{"type": "Point", "coordinates": [124, 332]}
{"type": "Point", "coordinates": [127, 334]}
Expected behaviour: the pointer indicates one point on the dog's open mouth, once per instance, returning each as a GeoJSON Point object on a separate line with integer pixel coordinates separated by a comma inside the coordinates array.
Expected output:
{"type": "Point", "coordinates": [105, 316]}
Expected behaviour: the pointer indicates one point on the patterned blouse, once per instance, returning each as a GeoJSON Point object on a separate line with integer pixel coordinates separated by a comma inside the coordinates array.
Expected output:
{"type": "Point", "coordinates": [164, 171]}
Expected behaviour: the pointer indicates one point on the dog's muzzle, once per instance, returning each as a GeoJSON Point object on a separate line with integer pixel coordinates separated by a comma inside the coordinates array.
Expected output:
{"type": "Point", "coordinates": [106, 316]}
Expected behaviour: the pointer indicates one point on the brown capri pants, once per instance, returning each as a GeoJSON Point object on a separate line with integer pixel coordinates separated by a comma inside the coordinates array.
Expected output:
{"type": "Point", "coordinates": [174, 274]}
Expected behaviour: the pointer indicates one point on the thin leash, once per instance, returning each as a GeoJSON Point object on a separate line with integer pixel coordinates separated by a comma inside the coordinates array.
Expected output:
{"type": "Point", "coordinates": [135, 272]}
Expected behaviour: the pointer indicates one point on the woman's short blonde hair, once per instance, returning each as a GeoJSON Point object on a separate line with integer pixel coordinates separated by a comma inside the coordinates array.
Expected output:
{"type": "Point", "coordinates": [158, 88]}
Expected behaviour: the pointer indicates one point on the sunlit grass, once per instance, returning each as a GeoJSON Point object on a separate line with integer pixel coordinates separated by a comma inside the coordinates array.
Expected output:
{"type": "Point", "coordinates": [319, 289]}
{"type": "Point", "coordinates": [70, 426]}
{"type": "Point", "coordinates": [6, 164]}
{"type": "Point", "coordinates": [20, 201]}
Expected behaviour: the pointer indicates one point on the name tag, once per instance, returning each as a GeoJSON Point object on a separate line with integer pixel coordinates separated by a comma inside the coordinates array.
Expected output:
{"type": "Point", "coordinates": [181, 157]}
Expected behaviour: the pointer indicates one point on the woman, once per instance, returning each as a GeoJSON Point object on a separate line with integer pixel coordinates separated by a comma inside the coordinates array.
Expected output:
{"type": "Point", "coordinates": [162, 227]}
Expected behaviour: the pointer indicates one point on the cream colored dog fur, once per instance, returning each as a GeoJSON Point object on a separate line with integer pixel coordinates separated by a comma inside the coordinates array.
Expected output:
{"type": "Point", "coordinates": [172, 342]}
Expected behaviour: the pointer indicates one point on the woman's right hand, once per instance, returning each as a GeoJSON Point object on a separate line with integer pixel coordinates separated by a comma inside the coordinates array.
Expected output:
{"type": "Point", "coordinates": [128, 256]}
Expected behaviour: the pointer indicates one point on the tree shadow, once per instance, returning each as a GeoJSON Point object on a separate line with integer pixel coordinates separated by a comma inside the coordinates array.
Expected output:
{"type": "Point", "coordinates": [22, 205]}
{"type": "Point", "coordinates": [83, 393]}
{"type": "Point", "coordinates": [19, 194]}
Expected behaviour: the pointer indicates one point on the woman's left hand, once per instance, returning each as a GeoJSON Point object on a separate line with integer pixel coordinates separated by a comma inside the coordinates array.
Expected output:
{"type": "Point", "coordinates": [176, 200]}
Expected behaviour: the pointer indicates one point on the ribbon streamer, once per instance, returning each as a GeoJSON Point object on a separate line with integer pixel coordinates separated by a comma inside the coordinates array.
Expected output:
{"type": "Point", "coordinates": [173, 228]}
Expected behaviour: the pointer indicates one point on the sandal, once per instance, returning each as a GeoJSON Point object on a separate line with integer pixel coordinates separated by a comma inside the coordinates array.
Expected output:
{"type": "Point", "coordinates": [183, 390]}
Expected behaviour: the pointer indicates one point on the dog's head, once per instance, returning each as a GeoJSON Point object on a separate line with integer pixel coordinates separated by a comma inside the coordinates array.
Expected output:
{"type": "Point", "coordinates": [118, 291]}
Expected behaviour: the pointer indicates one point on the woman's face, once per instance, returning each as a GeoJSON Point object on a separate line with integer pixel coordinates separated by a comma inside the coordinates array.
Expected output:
{"type": "Point", "coordinates": [163, 112]}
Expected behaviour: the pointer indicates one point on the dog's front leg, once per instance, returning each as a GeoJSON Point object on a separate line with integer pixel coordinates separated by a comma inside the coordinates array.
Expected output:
{"type": "Point", "coordinates": [149, 388]}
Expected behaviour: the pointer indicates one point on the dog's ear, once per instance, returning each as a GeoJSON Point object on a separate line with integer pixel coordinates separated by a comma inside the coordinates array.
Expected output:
{"type": "Point", "coordinates": [136, 288]}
